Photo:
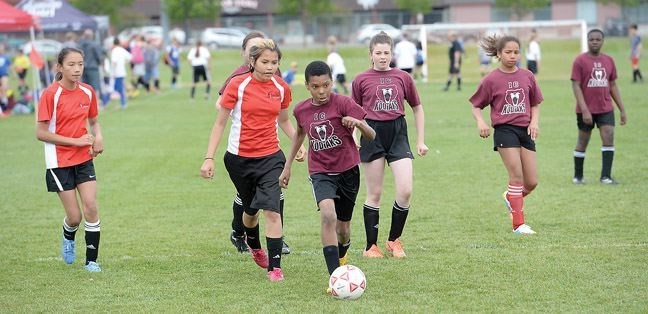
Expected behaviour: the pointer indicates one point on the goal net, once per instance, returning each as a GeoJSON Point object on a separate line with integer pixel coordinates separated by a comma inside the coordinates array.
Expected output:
{"type": "Point", "coordinates": [438, 33]}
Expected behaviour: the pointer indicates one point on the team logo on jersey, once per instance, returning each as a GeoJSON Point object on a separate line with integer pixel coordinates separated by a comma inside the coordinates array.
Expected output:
{"type": "Point", "coordinates": [598, 76]}
{"type": "Point", "coordinates": [84, 106]}
{"type": "Point", "coordinates": [387, 98]}
{"type": "Point", "coordinates": [274, 96]}
{"type": "Point", "coordinates": [322, 137]}
{"type": "Point", "coordinates": [515, 101]}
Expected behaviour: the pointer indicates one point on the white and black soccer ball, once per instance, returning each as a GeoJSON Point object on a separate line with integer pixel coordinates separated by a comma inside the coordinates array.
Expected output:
{"type": "Point", "coordinates": [347, 282]}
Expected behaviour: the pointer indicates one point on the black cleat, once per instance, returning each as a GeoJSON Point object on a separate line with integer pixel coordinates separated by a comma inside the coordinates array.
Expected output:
{"type": "Point", "coordinates": [239, 242]}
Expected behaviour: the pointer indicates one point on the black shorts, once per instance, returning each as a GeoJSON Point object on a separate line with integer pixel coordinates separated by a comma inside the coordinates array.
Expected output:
{"type": "Point", "coordinates": [199, 71]}
{"type": "Point", "coordinates": [507, 136]}
{"type": "Point", "coordinates": [598, 119]}
{"type": "Point", "coordinates": [391, 141]}
{"type": "Point", "coordinates": [340, 78]}
{"type": "Point", "coordinates": [408, 70]}
{"type": "Point", "coordinates": [175, 70]}
{"type": "Point", "coordinates": [68, 178]}
{"type": "Point", "coordinates": [532, 66]}
{"type": "Point", "coordinates": [22, 74]}
{"type": "Point", "coordinates": [341, 188]}
{"type": "Point", "coordinates": [256, 180]}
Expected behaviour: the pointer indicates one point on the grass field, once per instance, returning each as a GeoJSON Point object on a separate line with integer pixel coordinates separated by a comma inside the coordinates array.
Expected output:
{"type": "Point", "coordinates": [165, 246]}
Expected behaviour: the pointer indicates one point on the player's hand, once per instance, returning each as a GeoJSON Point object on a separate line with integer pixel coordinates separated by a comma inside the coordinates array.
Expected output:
{"type": "Point", "coordinates": [350, 122]}
{"type": "Point", "coordinates": [422, 149]}
{"type": "Point", "coordinates": [624, 118]}
{"type": "Point", "coordinates": [85, 140]}
{"type": "Point", "coordinates": [97, 147]}
{"type": "Point", "coordinates": [587, 118]}
{"type": "Point", "coordinates": [301, 154]}
{"type": "Point", "coordinates": [284, 178]}
{"type": "Point", "coordinates": [207, 169]}
{"type": "Point", "coordinates": [533, 130]}
{"type": "Point", "coordinates": [484, 129]}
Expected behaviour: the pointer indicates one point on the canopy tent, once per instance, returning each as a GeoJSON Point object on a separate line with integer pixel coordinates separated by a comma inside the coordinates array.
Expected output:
{"type": "Point", "coordinates": [57, 15]}
{"type": "Point", "coordinates": [14, 20]}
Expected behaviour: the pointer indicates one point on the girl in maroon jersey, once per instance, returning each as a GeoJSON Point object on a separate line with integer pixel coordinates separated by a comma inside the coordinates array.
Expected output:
{"type": "Point", "coordinates": [514, 98]}
{"type": "Point", "coordinates": [65, 109]}
{"type": "Point", "coordinates": [382, 92]}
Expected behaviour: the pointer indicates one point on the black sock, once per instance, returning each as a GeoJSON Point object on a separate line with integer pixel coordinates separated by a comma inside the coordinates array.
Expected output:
{"type": "Point", "coordinates": [253, 237]}
{"type": "Point", "coordinates": [174, 79]}
{"type": "Point", "coordinates": [274, 252]}
{"type": "Point", "coordinates": [399, 217]}
{"type": "Point", "coordinates": [281, 208]}
{"type": "Point", "coordinates": [579, 160]}
{"type": "Point", "coordinates": [448, 83]}
{"type": "Point", "coordinates": [69, 232]}
{"type": "Point", "coordinates": [371, 218]}
{"type": "Point", "coordinates": [458, 83]}
{"type": "Point", "coordinates": [608, 158]}
{"type": "Point", "coordinates": [193, 91]}
{"type": "Point", "coordinates": [634, 75]}
{"type": "Point", "coordinates": [639, 75]}
{"type": "Point", "coordinates": [343, 248]}
{"type": "Point", "coordinates": [157, 83]}
{"type": "Point", "coordinates": [92, 235]}
{"type": "Point", "coordinates": [208, 88]}
{"type": "Point", "coordinates": [237, 218]}
{"type": "Point", "coordinates": [331, 257]}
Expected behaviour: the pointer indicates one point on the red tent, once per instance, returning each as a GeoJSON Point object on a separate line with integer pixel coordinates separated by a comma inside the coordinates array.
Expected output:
{"type": "Point", "coordinates": [13, 19]}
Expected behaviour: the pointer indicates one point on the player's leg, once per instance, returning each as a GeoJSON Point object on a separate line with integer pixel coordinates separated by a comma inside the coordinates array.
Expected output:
{"type": "Point", "coordinates": [402, 171]}
{"type": "Point", "coordinates": [347, 188]}
{"type": "Point", "coordinates": [237, 237]}
{"type": "Point", "coordinates": [329, 237]}
{"type": "Point", "coordinates": [285, 249]}
{"type": "Point", "coordinates": [70, 224]}
{"type": "Point", "coordinates": [529, 170]}
{"type": "Point", "coordinates": [511, 157]}
{"type": "Point", "coordinates": [196, 77]}
{"type": "Point", "coordinates": [607, 151]}
{"type": "Point", "coordinates": [88, 193]}
{"type": "Point", "coordinates": [584, 135]}
{"type": "Point", "coordinates": [374, 174]}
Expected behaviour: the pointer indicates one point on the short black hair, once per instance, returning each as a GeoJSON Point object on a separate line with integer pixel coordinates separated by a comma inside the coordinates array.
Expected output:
{"type": "Point", "coordinates": [317, 68]}
{"type": "Point", "coordinates": [596, 30]}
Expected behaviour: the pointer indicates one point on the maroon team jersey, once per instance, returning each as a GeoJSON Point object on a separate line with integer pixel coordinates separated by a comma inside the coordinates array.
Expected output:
{"type": "Point", "coordinates": [240, 70]}
{"type": "Point", "coordinates": [331, 148]}
{"type": "Point", "coordinates": [594, 74]}
{"type": "Point", "coordinates": [510, 95]}
{"type": "Point", "coordinates": [382, 93]}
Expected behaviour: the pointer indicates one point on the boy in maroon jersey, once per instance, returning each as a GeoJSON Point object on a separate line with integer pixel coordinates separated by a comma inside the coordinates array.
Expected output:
{"type": "Point", "coordinates": [514, 96]}
{"type": "Point", "coordinates": [594, 84]}
{"type": "Point", "coordinates": [329, 120]}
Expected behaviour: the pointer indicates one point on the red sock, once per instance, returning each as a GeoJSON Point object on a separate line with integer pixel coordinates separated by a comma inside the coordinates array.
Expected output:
{"type": "Point", "coordinates": [514, 196]}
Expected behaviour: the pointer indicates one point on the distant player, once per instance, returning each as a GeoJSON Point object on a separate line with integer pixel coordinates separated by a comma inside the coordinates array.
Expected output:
{"type": "Point", "coordinates": [514, 98]}
{"type": "Point", "coordinates": [199, 57]}
{"type": "Point", "coordinates": [594, 84]}
{"type": "Point", "coordinates": [64, 110]}
{"type": "Point", "coordinates": [454, 54]}
{"type": "Point", "coordinates": [329, 120]}
{"type": "Point", "coordinates": [382, 92]}
{"type": "Point", "coordinates": [636, 49]}
{"type": "Point", "coordinates": [533, 54]}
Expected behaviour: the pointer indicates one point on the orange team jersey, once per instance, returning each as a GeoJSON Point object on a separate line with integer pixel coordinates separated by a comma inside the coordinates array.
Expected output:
{"type": "Point", "coordinates": [255, 108]}
{"type": "Point", "coordinates": [67, 112]}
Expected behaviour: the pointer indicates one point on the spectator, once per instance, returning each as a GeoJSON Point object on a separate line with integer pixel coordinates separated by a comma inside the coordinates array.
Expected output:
{"type": "Point", "coordinates": [405, 54]}
{"type": "Point", "coordinates": [93, 57]}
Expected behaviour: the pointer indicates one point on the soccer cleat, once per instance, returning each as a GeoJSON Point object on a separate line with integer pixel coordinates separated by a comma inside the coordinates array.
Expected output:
{"type": "Point", "coordinates": [239, 242]}
{"type": "Point", "coordinates": [508, 205]}
{"type": "Point", "coordinates": [578, 181]}
{"type": "Point", "coordinates": [396, 248]}
{"type": "Point", "coordinates": [285, 249]}
{"type": "Point", "coordinates": [373, 252]}
{"type": "Point", "coordinates": [275, 275]}
{"type": "Point", "coordinates": [523, 229]}
{"type": "Point", "coordinates": [93, 267]}
{"type": "Point", "coordinates": [608, 181]}
{"type": "Point", "coordinates": [343, 259]}
{"type": "Point", "coordinates": [67, 250]}
{"type": "Point", "coordinates": [260, 257]}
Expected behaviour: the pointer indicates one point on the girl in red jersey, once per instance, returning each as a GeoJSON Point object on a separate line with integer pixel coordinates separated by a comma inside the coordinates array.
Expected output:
{"type": "Point", "coordinates": [64, 111]}
{"type": "Point", "coordinates": [329, 120]}
{"type": "Point", "coordinates": [256, 102]}
{"type": "Point", "coordinates": [514, 97]}
{"type": "Point", "coordinates": [382, 92]}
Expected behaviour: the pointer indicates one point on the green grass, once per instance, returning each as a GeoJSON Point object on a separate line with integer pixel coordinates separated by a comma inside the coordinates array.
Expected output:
{"type": "Point", "coordinates": [165, 246]}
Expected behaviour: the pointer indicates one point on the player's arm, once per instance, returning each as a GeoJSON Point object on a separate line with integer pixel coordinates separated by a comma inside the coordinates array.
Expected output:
{"type": "Point", "coordinates": [365, 129]}
{"type": "Point", "coordinates": [289, 130]}
{"type": "Point", "coordinates": [97, 145]}
{"type": "Point", "coordinates": [207, 169]}
{"type": "Point", "coordinates": [534, 126]}
{"type": "Point", "coordinates": [616, 96]}
{"type": "Point", "coordinates": [43, 134]}
{"type": "Point", "coordinates": [419, 123]}
{"type": "Point", "coordinates": [295, 148]}
{"type": "Point", "coordinates": [482, 126]}
{"type": "Point", "coordinates": [580, 102]}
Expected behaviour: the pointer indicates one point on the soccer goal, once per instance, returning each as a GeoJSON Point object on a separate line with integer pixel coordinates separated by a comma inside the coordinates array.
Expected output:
{"type": "Point", "coordinates": [437, 33]}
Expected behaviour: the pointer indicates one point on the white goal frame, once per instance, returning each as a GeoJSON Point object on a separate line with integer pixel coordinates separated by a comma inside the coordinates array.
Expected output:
{"type": "Point", "coordinates": [423, 29]}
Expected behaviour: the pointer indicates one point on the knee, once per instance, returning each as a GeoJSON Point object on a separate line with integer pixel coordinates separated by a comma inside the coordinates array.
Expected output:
{"type": "Point", "coordinates": [343, 232]}
{"type": "Point", "coordinates": [530, 186]}
{"type": "Point", "coordinates": [73, 221]}
{"type": "Point", "coordinates": [329, 220]}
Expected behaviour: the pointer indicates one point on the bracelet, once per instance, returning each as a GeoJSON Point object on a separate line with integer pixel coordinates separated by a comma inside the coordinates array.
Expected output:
{"type": "Point", "coordinates": [209, 158]}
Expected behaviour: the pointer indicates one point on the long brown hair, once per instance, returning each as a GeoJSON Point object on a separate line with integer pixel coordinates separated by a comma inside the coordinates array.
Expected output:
{"type": "Point", "coordinates": [493, 44]}
{"type": "Point", "coordinates": [259, 48]}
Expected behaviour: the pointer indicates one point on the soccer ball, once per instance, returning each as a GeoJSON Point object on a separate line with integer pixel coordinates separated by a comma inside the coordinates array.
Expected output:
{"type": "Point", "coordinates": [347, 282]}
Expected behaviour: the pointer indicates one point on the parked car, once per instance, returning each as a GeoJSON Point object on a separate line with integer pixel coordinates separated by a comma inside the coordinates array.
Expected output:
{"type": "Point", "coordinates": [152, 32]}
{"type": "Point", "coordinates": [222, 37]}
{"type": "Point", "coordinates": [369, 30]}
{"type": "Point", "coordinates": [45, 47]}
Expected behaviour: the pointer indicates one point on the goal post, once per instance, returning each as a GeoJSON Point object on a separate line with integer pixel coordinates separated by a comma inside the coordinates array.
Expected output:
{"type": "Point", "coordinates": [574, 28]}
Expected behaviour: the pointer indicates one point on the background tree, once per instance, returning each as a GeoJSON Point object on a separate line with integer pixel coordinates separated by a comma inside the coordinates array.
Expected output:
{"type": "Point", "coordinates": [305, 9]}
{"type": "Point", "coordinates": [111, 8]}
{"type": "Point", "coordinates": [520, 8]}
{"type": "Point", "coordinates": [183, 11]}
{"type": "Point", "coordinates": [415, 7]}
